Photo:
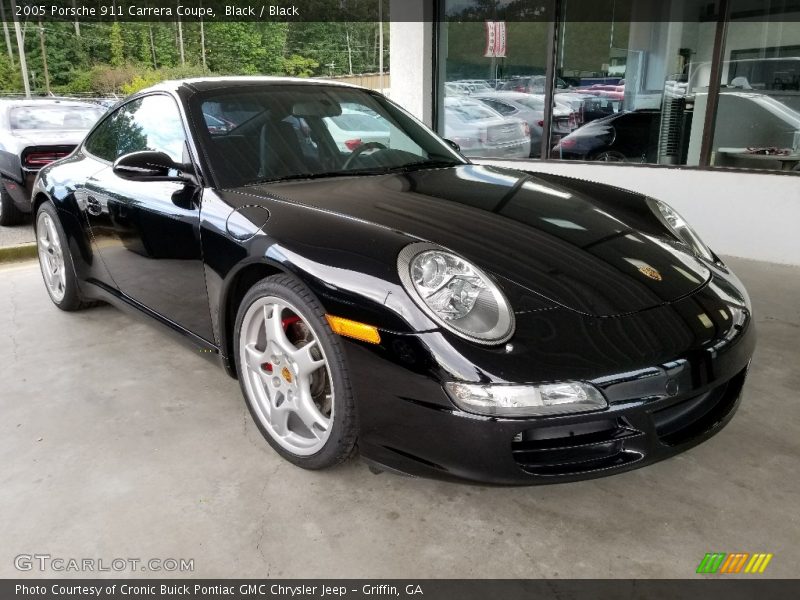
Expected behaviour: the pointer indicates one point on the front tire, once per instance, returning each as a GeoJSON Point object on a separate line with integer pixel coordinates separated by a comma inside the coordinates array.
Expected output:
{"type": "Point", "coordinates": [293, 375]}
{"type": "Point", "coordinates": [9, 213]}
{"type": "Point", "coordinates": [55, 260]}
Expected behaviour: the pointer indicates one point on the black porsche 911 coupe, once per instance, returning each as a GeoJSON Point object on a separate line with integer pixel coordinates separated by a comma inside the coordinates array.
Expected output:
{"type": "Point", "coordinates": [443, 318]}
{"type": "Point", "coordinates": [34, 133]}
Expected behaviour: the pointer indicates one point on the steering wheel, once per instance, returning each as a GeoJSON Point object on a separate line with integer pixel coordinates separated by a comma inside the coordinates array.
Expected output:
{"type": "Point", "coordinates": [362, 148]}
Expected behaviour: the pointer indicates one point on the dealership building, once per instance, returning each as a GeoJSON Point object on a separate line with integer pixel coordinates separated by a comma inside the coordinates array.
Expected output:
{"type": "Point", "coordinates": [694, 102]}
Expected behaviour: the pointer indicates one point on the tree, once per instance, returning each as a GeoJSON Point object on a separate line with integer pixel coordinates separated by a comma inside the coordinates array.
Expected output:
{"type": "Point", "coordinates": [299, 66]}
{"type": "Point", "coordinates": [273, 43]}
{"type": "Point", "coordinates": [234, 48]}
{"type": "Point", "coordinates": [145, 52]}
{"type": "Point", "coordinates": [117, 45]}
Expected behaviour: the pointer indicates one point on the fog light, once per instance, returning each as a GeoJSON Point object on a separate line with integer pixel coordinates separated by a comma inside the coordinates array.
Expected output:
{"type": "Point", "coordinates": [526, 400]}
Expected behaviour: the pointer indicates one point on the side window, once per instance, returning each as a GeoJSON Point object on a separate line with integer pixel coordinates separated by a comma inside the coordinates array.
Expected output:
{"type": "Point", "coordinates": [149, 123]}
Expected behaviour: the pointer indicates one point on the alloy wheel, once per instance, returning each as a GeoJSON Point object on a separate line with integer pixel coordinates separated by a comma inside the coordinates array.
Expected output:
{"type": "Point", "coordinates": [51, 256]}
{"type": "Point", "coordinates": [286, 376]}
{"type": "Point", "coordinates": [611, 156]}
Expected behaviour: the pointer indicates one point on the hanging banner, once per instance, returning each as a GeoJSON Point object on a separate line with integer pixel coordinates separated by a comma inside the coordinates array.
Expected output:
{"type": "Point", "coordinates": [495, 39]}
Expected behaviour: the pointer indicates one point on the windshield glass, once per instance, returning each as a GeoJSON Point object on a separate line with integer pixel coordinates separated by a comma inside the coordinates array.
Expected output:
{"type": "Point", "coordinates": [54, 117]}
{"type": "Point", "coordinates": [273, 132]}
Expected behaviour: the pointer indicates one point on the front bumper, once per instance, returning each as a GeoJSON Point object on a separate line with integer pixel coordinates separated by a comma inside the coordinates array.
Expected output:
{"type": "Point", "coordinates": [670, 379]}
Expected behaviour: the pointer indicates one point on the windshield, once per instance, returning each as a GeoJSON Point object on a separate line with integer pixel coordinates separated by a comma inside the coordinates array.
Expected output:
{"type": "Point", "coordinates": [54, 117]}
{"type": "Point", "coordinates": [359, 122]}
{"type": "Point", "coordinates": [275, 132]}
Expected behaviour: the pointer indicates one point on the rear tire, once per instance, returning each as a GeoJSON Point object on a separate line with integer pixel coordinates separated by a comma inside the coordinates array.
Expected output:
{"type": "Point", "coordinates": [293, 374]}
{"type": "Point", "coordinates": [9, 213]}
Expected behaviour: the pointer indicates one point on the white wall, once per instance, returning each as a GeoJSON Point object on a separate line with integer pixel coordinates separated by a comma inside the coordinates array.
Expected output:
{"type": "Point", "coordinates": [411, 52]}
{"type": "Point", "coordinates": [754, 216]}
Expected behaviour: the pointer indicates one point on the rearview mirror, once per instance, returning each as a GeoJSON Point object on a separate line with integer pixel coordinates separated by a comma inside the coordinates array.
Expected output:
{"type": "Point", "coordinates": [316, 108]}
{"type": "Point", "coordinates": [150, 165]}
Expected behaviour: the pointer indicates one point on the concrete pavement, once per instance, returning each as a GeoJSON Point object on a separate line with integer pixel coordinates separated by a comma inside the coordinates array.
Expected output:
{"type": "Point", "coordinates": [17, 242]}
{"type": "Point", "coordinates": [17, 234]}
{"type": "Point", "coordinates": [116, 441]}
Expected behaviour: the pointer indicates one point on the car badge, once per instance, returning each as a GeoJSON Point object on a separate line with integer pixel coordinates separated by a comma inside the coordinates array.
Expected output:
{"type": "Point", "coordinates": [650, 272]}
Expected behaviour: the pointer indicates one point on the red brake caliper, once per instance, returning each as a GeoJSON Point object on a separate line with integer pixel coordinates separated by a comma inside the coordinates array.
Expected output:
{"type": "Point", "coordinates": [267, 366]}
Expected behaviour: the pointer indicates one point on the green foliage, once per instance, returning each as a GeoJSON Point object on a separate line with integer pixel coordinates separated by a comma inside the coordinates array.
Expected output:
{"type": "Point", "coordinates": [117, 45]}
{"type": "Point", "coordinates": [234, 48]}
{"type": "Point", "coordinates": [339, 44]}
{"type": "Point", "coordinates": [121, 57]}
{"type": "Point", "coordinates": [298, 66]}
{"type": "Point", "coordinates": [10, 78]}
{"type": "Point", "coordinates": [146, 78]}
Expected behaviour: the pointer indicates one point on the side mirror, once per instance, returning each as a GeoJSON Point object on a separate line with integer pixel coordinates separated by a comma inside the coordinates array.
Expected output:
{"type": "Point", "coordinates": [453, 145]}
{"type": "Point", "coordinates": [150, 165]}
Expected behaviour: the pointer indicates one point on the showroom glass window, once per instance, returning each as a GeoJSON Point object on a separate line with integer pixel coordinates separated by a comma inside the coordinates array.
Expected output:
{"type": "Point", "coordinates": [757, 124]}
{"type": "Point", "coordinates": [492, 64]}
{"type": "Point", "coordinates": [637, 82]}
{"type": "Point", "coordinates": [148, 123]}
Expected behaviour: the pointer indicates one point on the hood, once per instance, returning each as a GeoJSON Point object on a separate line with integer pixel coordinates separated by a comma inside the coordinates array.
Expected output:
{"type": "Point", "coordinates": [559, 242]}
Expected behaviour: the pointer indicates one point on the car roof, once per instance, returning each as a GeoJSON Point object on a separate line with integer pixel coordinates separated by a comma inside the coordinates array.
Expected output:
{"type": "Point", "coordinates": [202, 84]}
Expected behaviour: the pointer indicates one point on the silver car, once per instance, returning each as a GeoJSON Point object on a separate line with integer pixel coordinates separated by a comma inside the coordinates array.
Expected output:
{"type": "Point", "coordinates": [530, 108]}
{"type": "Point", "coordinates": [482, 131]}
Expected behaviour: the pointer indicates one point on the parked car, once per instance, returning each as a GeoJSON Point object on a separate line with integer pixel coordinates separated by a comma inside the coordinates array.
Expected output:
{"type": "Point", "coordinates": [533, 84]}
{"type": "Point", "coordinates": [476, 86]}
{"type": "Point", "coordinates": [443, 318]}
{"type": "Point", "coordinates": [482, 131]}
{"type": "Point", "coordinates": [629, 136]}
{"type": "Point", "coordinates": [453, 88]}
{"type": "Point", "coordinates": [34, 133]}
{"type": "Point", "coordinates": [530, 108]}
{"type": "Point", "coordinates": [577, 102]}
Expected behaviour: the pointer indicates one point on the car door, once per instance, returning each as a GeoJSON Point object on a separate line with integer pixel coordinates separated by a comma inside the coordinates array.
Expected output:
{"type": "Point", "coordinates": [148, 232]}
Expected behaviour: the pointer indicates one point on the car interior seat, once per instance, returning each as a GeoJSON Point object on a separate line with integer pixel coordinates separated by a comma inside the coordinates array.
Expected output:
{"type": "Point", "coordinates": [281, 153]}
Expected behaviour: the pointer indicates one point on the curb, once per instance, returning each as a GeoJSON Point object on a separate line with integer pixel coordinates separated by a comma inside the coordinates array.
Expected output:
{"type": "Point", "coordinates": [18, 252]}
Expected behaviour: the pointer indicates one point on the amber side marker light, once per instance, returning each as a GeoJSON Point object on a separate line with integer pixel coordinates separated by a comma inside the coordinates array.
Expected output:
{"type": "Point", "coordinates": [354, 329]}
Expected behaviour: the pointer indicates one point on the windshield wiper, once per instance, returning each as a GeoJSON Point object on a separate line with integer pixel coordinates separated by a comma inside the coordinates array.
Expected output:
{"type": "Point", "coordinates": [296, 176]}
{"type": "Point", "coordinates": [427, 163]}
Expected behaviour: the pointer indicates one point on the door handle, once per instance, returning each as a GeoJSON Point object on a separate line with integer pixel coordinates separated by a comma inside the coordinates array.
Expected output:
{"type": "Point", "coordinates": [93, 206]}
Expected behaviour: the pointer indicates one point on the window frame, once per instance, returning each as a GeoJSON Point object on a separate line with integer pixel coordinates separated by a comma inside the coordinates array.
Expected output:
{"type": "Point", "coordinates": [115, 109]}
{"type": "Point", "coordinates": [723, 14]}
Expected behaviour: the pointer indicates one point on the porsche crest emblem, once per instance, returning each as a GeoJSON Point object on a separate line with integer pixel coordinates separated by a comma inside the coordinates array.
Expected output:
{"type": "Point", "coordinates": [650, 272]}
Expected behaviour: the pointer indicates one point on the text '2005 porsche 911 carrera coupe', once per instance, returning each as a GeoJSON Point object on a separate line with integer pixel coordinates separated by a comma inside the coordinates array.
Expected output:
{"type": "Point", "coordinates": [390, 297]}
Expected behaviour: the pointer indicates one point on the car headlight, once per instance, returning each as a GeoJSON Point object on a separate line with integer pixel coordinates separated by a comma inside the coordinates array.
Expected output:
{"type": "Point", "coordinates": [455, 293]}
{"type": "Point", "coordinates": [504, 400]}
{"type": "Point", "coordinates": [678, 225]}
